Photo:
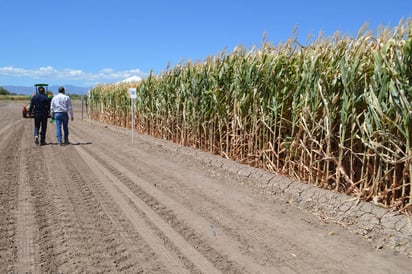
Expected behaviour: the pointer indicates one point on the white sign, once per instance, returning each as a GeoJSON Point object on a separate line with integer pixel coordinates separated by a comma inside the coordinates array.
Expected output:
{"type": "Point", "coordinates": [132, 92]}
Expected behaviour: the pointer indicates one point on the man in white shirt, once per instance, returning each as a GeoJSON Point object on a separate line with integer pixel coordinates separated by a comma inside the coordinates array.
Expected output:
{"type": "Point", "coordinates": [60, 108]}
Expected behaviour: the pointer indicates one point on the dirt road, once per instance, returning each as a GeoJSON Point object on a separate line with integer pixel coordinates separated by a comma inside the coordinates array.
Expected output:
{"type": "Point", "coordinates": [107, 205]}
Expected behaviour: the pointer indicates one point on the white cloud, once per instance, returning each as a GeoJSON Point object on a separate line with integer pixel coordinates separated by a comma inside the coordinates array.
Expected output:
{"type": "Point", "coordinates": [47, 69]}
{"type": "Point", "coordinates": [131, 79]}
{"type": "Point", "coordinates": [67, 75]}
{"type": "Point", "coordinates": [12, 71]}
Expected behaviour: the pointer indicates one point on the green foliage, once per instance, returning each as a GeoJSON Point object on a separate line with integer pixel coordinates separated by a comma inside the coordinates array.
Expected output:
{"type": "Point", "coordinates": [4, 91]}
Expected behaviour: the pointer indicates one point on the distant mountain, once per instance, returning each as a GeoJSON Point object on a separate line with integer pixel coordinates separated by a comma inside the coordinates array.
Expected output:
{"type": "Point", "coordinates": [70, 89]}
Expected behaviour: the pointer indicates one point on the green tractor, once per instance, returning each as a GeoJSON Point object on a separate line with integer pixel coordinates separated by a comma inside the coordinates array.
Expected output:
{"type": "Point", "coordinates": [26, 108]}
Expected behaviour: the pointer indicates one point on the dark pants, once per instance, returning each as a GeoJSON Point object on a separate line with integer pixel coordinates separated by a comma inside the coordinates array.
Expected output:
{"type": "Point", "coordinates": [40, 123]}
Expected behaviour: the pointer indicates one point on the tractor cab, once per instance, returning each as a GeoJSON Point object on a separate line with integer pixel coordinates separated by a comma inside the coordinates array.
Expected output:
{"type": "Point", "coordinates": [37, 86]}
{"type": "Point", "coordinates": [45, 86]}
{"type": "Point", "coordinates": [26, 107]}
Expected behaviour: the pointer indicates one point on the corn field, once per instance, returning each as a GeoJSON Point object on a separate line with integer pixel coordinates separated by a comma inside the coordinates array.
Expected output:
{"type": "Point", "coordinates": [335, 113]}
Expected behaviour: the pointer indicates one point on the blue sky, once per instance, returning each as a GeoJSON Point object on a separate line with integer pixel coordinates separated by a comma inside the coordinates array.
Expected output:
{"type": "Point", "coordinates": [87, 42]}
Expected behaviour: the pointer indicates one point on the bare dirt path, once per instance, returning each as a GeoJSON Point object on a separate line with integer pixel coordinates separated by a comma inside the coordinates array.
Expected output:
{"type": "Point", "coordinates": [107, 205]}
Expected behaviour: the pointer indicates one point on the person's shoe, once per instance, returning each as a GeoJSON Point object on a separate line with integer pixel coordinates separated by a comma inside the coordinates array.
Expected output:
{"type": "Point", "coordinates": [67, 143]}
{"type": "Point", "coordinates": [43, 143]}
{"type": "Point", "coordinates": [36, 140]}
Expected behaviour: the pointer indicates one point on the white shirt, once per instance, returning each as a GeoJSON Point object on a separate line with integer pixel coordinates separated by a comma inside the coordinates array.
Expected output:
{"type": "Point", "coordinates": [61, 103]}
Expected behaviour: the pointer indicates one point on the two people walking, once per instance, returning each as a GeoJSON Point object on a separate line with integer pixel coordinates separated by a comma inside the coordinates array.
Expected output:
{"type": "Point", "coordinates": [59, 108]}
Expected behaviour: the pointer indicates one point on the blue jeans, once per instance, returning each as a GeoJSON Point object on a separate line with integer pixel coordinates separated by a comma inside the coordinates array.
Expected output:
{"type": "Point", "coordinates": [62, 119]}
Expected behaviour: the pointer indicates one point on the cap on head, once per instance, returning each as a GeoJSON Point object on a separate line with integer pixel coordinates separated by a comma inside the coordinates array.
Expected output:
{"type": "Point", "coordinates": [61, 89]}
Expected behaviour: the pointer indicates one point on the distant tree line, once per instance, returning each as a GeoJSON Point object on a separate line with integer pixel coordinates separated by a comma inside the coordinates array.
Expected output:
{"type": "Point", "coordinates": [4, 91]}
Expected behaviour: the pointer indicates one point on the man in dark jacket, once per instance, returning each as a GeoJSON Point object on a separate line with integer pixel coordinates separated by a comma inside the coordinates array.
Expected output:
{"type": "Point", "coordinates": [40, 105]}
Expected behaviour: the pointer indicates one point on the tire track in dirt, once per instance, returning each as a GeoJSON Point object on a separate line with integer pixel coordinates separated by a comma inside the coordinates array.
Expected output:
{"type": "Point", "coordinates": [52, 183]}
{"type": "Point", "coordinates": [107, 157]}
{"type": "Point", "coordinates": [236, 226]}
{"type": "Point", "coordinates": [177, 214]}
{"type": "Point", "coordinates": [44, 213]}
{"type": "Point", "coordinates": [9, 119]}
{"type": "Point", "coordinates": [67, 240]}
{"type": "Point", "coordinates": [7, 128]}
{"type": "Point", "coordinates": [229, 224]}
{"type": "Point", "coordinates": [25, 214]}
{"type": "Point", "coordinates": [88, 236]}
{"type": "Point", "coordinates": [203, 225]}
{"type": "Point", "coordinates": [154, 241]}
{"type": "Point", "coordinates": [9, 176]}
{"type": "Point", "coordinates": [236, 236]}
